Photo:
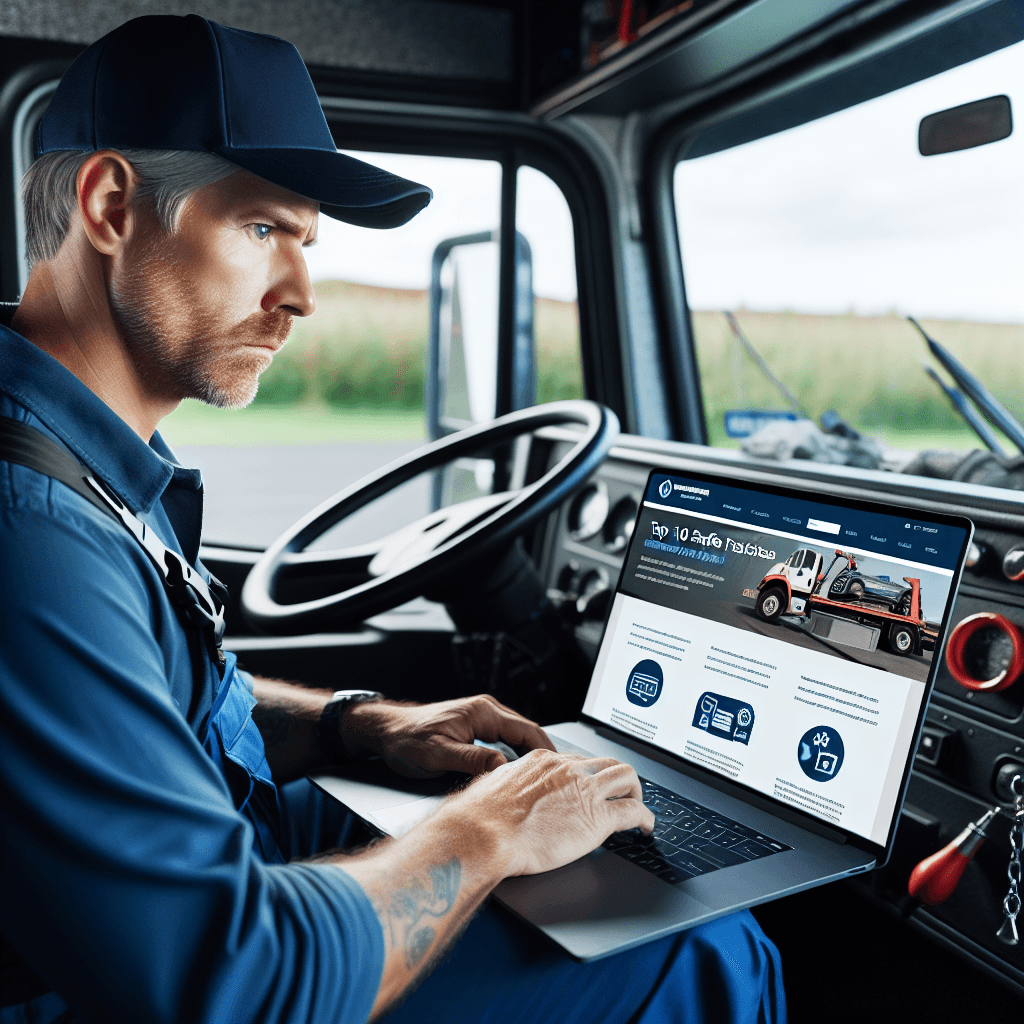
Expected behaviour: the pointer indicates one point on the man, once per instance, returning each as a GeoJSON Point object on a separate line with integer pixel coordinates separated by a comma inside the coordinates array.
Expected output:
{"type": "Point", "coordinates": [157, 865]}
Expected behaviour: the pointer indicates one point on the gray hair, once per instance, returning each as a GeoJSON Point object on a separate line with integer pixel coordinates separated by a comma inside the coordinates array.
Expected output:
{"type": "Point", "coordinates": [168, 177]}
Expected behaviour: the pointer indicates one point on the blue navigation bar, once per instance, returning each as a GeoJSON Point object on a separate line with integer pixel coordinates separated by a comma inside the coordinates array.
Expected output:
{"type": "Point", "coordinates": [917, 540]}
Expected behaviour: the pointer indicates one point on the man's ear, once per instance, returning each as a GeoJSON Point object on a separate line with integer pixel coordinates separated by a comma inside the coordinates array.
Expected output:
{"type": "Point", "coordinates": [105, 188]}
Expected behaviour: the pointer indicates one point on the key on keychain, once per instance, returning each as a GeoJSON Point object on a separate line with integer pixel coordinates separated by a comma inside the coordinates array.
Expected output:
{"type": "Point", "coordinates": [1012, 903]}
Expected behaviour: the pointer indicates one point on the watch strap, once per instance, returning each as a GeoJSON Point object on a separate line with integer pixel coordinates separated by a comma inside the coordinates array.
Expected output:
{"type": "Point", "coordinates": [328, 730]}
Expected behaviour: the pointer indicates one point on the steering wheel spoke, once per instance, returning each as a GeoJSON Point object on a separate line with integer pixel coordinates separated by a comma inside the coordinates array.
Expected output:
{"type": "Point", "coordinates": [294, 590]}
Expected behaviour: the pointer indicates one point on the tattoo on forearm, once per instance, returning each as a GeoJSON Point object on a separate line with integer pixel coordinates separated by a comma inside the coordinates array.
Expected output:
{"type": "Point", "coordinates": [405, 912]}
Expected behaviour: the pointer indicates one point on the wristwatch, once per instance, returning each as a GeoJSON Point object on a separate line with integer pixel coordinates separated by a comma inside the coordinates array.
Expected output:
{"type": "Point", "coordinates": [327, 730]}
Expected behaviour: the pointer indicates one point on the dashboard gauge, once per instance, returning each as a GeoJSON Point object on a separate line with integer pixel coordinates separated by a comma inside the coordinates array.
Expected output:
{"type": "Point", "coordinates": [588, 511]}
{"type": "Point", "coordinates": [619, 526]}
{"type": "Point", "coordinates": [986, 652]}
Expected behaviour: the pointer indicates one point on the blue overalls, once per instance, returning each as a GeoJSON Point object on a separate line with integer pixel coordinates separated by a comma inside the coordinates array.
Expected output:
{"type": "Point", "coordinates": [229, 734]}
{"type": "Point", "coordinates": [140, 889]}
{"type": "Point", "coordinates": [235, 745]}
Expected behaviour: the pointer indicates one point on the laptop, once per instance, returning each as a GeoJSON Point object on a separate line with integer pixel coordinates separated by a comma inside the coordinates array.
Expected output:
{"type": "Point", "coordinates": [765, 667]}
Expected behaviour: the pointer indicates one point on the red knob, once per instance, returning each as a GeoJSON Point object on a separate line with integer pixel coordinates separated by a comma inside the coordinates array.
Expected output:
{"type": "Point", "coordinates": [936, 877]}
{"type": "Point", "coordinates": [963, 632]}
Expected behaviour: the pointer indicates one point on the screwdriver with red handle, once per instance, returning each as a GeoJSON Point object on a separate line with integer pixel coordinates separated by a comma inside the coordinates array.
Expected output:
{"type": "Point", "coordinates": [934, 879]}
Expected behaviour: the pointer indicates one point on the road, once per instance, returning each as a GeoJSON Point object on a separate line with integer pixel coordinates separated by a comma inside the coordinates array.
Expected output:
{"type": "Point", "coordinates": [911, 666]}
{"type": "Point", "coordinates": [253, 494]}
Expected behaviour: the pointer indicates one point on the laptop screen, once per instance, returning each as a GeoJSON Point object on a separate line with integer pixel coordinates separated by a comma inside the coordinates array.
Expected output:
{"type": "Point", "coordinates": [784, 643]}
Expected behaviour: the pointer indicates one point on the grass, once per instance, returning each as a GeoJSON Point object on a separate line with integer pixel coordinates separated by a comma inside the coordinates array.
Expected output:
{"type": "Point", "coordinates": [196, 424]}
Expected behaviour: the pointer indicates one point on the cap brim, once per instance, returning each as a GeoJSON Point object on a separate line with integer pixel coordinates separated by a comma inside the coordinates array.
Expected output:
{"type": "Point", "coordinates": [346, 189]}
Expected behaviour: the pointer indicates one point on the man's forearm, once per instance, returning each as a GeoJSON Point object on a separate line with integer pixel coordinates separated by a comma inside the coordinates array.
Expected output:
{"type": "Point", "coordinates": [287, 716]}
{"type": "Point", "coordinates": [425, 888]}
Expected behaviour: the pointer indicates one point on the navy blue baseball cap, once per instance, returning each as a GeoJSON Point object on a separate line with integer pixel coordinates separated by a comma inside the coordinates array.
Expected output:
{"type": "Point", "coordinates": [167, 82]}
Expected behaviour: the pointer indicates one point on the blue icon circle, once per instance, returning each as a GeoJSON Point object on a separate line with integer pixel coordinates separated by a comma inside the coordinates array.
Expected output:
{"type": "Point", "coordinates": [643, 687]}
{"type": "Point", "coordinates": [665, 489]}
{"type": "Point", "coordinates": [820, 753]}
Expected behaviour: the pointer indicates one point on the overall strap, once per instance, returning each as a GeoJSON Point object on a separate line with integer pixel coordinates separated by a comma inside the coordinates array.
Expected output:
{"type": "Point", "coordinates": [29, 447]}
{"type": "Point", "coordinates": [202, 604]}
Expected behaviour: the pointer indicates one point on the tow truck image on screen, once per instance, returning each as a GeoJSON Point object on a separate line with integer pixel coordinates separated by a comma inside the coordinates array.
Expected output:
{"type": "Point", "coordinates": [855, 609]}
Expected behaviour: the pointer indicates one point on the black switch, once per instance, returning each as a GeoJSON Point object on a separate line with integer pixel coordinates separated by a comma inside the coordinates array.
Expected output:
{"type": "Point", "coordinates": [936, 746]}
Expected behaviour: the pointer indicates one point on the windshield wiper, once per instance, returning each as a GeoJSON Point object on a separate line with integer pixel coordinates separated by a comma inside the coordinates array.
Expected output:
{"type": "Point", "coordinates": [791, 400]}
{"type": "Point", "coordinates": [829, 423]}
{"type": "Point", "coordinates": [992, 409]}
{"type": "Point", "coordinates": [959, 402]}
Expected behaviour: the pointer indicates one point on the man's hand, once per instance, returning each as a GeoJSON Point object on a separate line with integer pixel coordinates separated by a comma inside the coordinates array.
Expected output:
{"type": "Point", "coordinates": [550, 809]}
{"type": "Point", "coordinates": [425, 740]}
{"type": "Point", "coordinates": [538, 813]}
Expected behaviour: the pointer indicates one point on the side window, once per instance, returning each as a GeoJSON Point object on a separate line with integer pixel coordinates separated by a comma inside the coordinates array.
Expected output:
{"type": "Point", "coordinates": [821, 240]}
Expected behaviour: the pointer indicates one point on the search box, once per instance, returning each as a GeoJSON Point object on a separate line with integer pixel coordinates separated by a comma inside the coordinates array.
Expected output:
{"type": "Point", "coordinates": [817, 524]}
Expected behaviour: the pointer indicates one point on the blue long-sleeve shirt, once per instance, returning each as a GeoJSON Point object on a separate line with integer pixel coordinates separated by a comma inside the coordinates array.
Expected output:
{"type": "Point", "coordinates": [129, 880]}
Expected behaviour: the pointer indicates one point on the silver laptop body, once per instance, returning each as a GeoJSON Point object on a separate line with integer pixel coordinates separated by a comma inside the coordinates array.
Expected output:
{"type": "Point", "coordinates": [774, 738]}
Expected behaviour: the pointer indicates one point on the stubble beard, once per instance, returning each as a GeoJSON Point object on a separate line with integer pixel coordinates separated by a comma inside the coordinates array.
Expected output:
{"type": "Point", "coordinates": [180, 349]}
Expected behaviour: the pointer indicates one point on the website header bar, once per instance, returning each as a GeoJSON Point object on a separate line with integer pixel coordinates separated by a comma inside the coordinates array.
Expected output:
{"type": "Point", "coordinates": [916, 540]}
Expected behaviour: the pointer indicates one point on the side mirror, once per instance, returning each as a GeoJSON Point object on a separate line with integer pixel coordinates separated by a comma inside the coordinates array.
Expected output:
{"type": "Point", "coordinates": [966, 126]}
{"type": "Point", "coordinates": [462, 352]}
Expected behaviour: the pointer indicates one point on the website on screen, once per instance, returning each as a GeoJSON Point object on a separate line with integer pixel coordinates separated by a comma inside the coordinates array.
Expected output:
{"type": "Point", "coordinates": [780, 642]}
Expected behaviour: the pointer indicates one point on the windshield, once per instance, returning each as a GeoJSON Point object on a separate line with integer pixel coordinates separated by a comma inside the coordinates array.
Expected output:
{"type": "Point", "coordinates": [822, 240]}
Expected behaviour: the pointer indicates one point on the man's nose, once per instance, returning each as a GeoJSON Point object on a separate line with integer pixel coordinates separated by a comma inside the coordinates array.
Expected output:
{"type": "Point", "coordinates": [292, 290]}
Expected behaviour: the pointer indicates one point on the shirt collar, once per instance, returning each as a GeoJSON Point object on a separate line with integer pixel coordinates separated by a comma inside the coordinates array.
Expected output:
{"type": "Point", "coordinates": [138, 472]}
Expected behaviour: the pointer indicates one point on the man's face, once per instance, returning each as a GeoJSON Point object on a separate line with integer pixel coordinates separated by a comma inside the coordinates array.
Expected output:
{"type": "Point", "coordinates": [203, 310]}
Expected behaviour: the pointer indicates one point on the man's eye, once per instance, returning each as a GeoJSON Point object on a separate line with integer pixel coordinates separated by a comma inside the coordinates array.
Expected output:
{"type": "Point", "coordinates": [262, 231]}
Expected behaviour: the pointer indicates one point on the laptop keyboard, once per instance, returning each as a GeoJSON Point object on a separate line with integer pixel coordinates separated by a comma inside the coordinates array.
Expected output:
{"type": "Point", "coordinates": [689, 839]}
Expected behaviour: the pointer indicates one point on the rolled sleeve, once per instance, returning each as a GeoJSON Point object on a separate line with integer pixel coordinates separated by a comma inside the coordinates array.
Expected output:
{"type": "Point", "coordinates": [130, 882]}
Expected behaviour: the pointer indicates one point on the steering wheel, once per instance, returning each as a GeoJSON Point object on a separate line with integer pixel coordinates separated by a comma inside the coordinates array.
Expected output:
{"type": "Point", "coordinates": [437, 547]}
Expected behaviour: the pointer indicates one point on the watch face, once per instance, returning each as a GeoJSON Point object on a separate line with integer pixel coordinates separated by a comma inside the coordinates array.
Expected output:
{"type": "Point", "coordinates": [357, 695]}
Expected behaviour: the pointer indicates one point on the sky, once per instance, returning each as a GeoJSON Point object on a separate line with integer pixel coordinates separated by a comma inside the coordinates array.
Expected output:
{"type": "Point", "coordinates": [844, 214]}
{"type": "Point", "coordinates": [838, 215]}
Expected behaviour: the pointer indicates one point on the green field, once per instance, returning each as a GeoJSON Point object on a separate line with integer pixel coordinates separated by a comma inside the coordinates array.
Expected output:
{"type": "Point", "coordinates": [354, 371]}
{"type": "Point", "coordinates": [866, 368]}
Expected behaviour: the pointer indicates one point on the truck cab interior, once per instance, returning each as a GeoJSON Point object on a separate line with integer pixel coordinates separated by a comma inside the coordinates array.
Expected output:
{"type": "Point", "coordinates": [714, 218]}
